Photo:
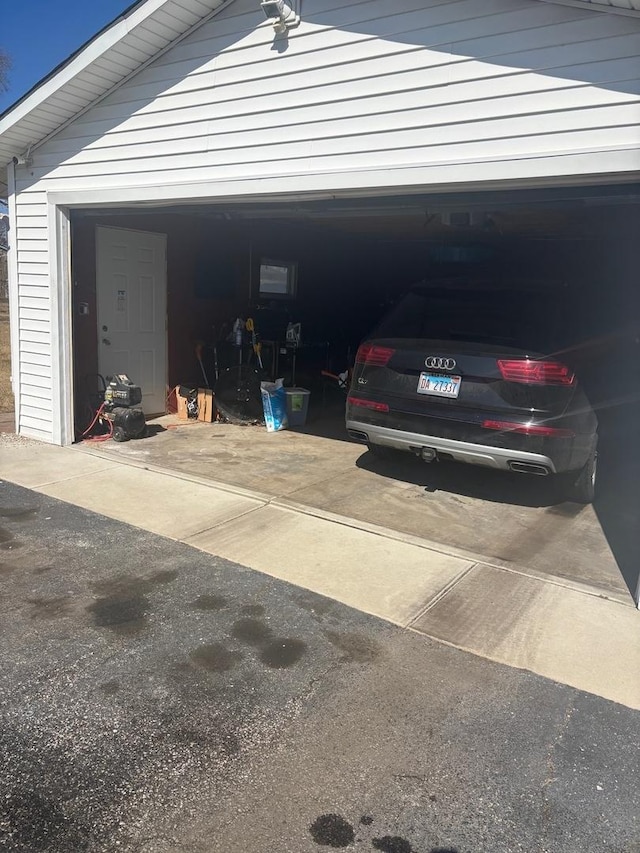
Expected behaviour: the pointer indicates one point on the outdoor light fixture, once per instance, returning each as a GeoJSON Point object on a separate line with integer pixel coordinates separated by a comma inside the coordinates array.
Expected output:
{"type": "Point", "coordinates": [23, 159]}
{"type": "Point", "coordinates": [282, 15]}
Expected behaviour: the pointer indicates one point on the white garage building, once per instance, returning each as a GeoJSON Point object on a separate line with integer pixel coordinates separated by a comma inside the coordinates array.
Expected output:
{"type": "Point", "coordinates": [186, 107]}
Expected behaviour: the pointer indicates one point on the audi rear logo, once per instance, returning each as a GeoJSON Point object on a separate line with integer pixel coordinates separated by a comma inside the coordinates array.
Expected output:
{"type": "Point", "coordinates": [435, 362]}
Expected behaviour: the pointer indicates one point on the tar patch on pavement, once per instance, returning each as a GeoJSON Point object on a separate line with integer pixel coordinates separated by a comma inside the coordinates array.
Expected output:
{"type": "Point", "coordinates": [50, 608]}
{"type": "Point", "coordinates": [275, 652]}
{"type": "Point", "coordinates": [331, 830]}
{"type": "Point", "coordinates": [315, 604]}
{"type": "Point", "coordinates": [18, 513]}
{"type": "Point", "coordinates": [122, 614]}
{"type": "Point", "coordinates": [392, 844]}
{"type": "Point", "coordinates": [215, 657]}
{"type": "Point", "coordinates": [36, 823]}
{"type": "Point", "coordinates": [251, 631]}
{"type": "Point", "coordinates": [282, 652]}
{"type": "Point", "coordinates": [356, 648]}
{"type": "Point", "coordinates": [165, 576]}
{"type": "Point", "coordinates": [124, 605]}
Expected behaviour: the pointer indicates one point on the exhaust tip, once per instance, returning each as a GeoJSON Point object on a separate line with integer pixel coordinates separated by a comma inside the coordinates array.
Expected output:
{"type": "Point", "coordinates": [358, 435]}
{"type": "Point", "coordinates": [529, 468]}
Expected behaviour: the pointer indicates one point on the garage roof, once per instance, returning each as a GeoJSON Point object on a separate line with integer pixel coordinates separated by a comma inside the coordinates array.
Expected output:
{"type": "Point", "coordinates": [122, 48]}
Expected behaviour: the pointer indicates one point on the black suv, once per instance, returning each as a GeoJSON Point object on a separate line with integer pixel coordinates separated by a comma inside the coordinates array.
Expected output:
{"type": "Point", "coordinates": [471, 371]}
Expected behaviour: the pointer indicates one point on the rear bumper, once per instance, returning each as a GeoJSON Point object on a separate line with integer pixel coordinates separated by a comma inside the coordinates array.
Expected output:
{"type": "Point", "coordinates": [461, 451]}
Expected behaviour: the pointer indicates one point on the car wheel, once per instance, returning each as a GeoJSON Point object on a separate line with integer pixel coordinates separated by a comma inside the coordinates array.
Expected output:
{"type": "Point", "coordinates": [581, 485]}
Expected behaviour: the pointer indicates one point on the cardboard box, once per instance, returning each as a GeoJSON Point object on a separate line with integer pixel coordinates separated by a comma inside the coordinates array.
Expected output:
{"type": "Point", "coordinates": [205, 405]}
{"type": "Point", "coordinates": [181, 401]}
{"type": "Point", "coordinates": [206, 409]}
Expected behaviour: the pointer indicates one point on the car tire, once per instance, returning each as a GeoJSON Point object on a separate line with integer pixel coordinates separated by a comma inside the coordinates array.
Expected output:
{"type": "Point", "coordinates": [580, 486]}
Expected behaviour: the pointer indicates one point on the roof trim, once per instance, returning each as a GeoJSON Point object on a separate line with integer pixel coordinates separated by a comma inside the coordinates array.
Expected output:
{"type": "Point", "coordinates": [69, 59]}
{"type": "Point", "coordinates": [106, 38]}
{"type": "Point", "coordinates": [15, 136]}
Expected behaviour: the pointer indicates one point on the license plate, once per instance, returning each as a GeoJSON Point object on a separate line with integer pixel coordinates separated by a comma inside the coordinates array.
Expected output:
{"type": "Point", "coordinates": [438, 385]}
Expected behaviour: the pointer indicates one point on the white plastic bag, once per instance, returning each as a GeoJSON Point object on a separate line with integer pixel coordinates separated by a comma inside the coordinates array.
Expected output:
{"type": "Point", "coordinates": [274, 405]}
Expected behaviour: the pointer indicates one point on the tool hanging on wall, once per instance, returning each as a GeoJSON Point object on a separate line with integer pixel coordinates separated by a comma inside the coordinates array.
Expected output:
{"type": "Point", "coordinates": [237, 332]}
{"type": "Point", "coordinates": [257, 346]}
{"type": "Point", "coordinates": [216, 369]}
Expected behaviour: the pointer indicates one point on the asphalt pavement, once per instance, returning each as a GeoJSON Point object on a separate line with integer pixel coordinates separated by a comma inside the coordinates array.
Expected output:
{"type": "Point", "coordinates": [157, 698]}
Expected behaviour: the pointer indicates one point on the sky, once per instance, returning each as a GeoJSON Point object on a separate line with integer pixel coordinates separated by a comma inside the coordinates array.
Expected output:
{"type": "Point", "coordinates": [39, 34]}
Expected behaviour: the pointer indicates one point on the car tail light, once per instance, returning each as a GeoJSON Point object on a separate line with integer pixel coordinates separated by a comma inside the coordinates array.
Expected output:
{"type": "Point", "coordinates": [368, 404]}
{"type": "Point", "coordinates": [374, 355]}
{"type": "Point", "coordinates": [536, 372]}
{"type": "Point", "coordinates": [528, 429]}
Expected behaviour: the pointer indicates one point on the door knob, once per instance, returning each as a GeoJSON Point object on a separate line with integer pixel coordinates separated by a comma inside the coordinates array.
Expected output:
{"type": "Point", "coordinates": [106, 341]}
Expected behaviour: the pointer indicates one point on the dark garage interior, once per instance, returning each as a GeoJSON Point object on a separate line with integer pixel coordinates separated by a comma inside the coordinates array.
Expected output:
{"type": "Point", "coordinates": [353, 259]}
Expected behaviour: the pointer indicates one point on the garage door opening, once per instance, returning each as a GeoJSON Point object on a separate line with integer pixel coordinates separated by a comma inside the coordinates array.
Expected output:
{"type": "Point", "coordinates": [331, 269]}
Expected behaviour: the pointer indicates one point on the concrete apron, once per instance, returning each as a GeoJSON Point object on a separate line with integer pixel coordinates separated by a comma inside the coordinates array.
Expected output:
{"type": "Point", "coordinates": [565, 628]}
{"type": "Point", "coordinates": [507, 520]}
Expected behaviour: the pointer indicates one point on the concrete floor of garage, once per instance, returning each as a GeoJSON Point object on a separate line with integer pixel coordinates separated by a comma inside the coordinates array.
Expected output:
{"type": "Point", "coordinates": [501, 519]}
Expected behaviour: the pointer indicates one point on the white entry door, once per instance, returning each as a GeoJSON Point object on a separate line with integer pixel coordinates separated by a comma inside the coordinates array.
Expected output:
{"type": "Point", "coordinates": [131, 276]}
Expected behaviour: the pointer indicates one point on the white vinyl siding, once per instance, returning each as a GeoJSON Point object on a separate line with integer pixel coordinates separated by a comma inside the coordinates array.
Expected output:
{"type": "Point", "coordinates": [34, 316]}
{"type": "Point", "coordinates": [363, 95]}
{"type": "Point", "coordinates": [357, 89]}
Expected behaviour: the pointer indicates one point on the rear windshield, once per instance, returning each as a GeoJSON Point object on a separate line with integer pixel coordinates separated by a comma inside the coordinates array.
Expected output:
{"type": "Point", "coordinates": [500, 316]}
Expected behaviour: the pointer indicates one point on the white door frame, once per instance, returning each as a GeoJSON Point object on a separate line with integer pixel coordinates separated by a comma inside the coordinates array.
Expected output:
{"type": "Point", "coordinates": [61, 308]}
{"type": "Point", "coordinates": [14, 306]}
